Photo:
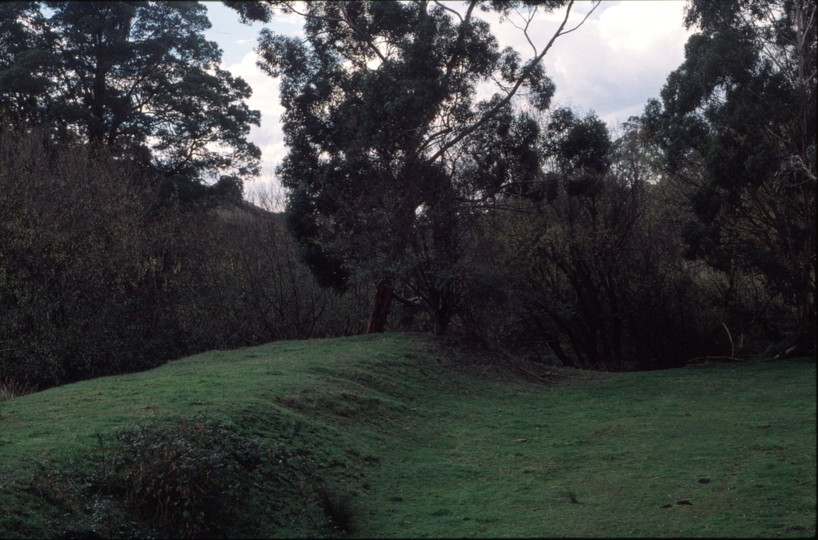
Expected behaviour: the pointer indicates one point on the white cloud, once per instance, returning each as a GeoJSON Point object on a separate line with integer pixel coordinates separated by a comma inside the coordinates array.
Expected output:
{"type": "Point", "coordinates": [638, 27]}
{"type": "Point", "coordinates": [617, 60]}
{"type": "Point", "coordinates": [268, 137]}
{"type": "Point", "coordinates": [240, 60]}
{"type": "Point", "coordinates": [265, 88]}
{"type": "Point", "coordinates": [615, 63]}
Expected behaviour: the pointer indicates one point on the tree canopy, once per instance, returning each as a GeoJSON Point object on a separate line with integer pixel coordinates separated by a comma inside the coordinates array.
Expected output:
{"type": "Point", "coordinates": [135, 78]}
{"type": "Point", "coordinates": [737, 125]}
{"type": "Point", "coordinates": [392, 144]}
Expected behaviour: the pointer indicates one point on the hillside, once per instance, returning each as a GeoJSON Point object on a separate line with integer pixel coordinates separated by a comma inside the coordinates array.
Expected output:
{"type": "Point", "coordinates": [406, 435]}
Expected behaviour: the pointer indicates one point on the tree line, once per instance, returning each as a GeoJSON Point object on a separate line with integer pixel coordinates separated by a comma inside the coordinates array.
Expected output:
{"type": "Point", "coordinates": [411, 203]}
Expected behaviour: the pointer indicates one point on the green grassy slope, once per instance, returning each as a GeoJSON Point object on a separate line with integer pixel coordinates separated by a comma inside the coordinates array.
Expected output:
{"type": "Point", "coordinates": [417, 438]}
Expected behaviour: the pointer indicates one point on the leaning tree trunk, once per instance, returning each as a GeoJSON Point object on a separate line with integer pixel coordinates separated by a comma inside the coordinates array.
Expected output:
{"type": "Point", "coordinates": [380, 311]}
{"type": "Point", "coordinates": [554, 343]}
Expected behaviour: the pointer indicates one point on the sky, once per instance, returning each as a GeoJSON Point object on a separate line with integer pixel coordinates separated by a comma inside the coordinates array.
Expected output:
{"type": "Point", "coordinates": [611, 65]}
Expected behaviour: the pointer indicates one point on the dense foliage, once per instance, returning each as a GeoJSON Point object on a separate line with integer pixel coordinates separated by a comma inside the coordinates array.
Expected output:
{"type": "Point", "coordinates": [99, 275]}
{"type": "Point", "coordinates": [736, 124]}
{"type": "Point", "coordinates": [135, 78]}
{"type": "Point", "coordinates": [587, 272]}
{"type": "Point", "coordinates": [193, 478]}
{"type": "Point", "coordinates": [390, 153]}
{"type": "Point", "coordinates": [125, 240]}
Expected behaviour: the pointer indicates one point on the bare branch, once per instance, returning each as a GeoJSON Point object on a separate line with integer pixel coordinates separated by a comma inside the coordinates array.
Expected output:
{"type": "Point", "coordinates": [502, 103]}
{"type": "Point", "coordinates": [596, 4]}
{"type": "Point", "coordinates": [447, 8]}
{"type": "Point", "coordinates": [730, 337]}
{"type": "Point", "coordinates": [524, 29]}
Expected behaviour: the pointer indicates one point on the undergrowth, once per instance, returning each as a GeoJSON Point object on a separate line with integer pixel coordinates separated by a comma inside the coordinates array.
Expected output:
{"type": "Point", "coordinates": [10, 389]}
{"type": "Point", "coordinates": [194, 478]}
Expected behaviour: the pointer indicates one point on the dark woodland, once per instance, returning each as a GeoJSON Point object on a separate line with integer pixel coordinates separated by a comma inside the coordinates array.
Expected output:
{"type": "Point", "coordinates": [409, 204]}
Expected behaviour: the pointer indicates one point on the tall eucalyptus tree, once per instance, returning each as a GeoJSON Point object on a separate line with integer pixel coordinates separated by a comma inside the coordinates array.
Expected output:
{"type": "Point", "coordinates": [401, 127]}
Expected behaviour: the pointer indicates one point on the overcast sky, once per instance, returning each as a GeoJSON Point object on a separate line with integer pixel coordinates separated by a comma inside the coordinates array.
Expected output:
{"type": "Point", "coordinates": [611, 65]}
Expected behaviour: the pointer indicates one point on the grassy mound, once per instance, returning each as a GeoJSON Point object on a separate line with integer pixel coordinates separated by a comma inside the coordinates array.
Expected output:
{"type": "Point", "coordinates": [404, 435]}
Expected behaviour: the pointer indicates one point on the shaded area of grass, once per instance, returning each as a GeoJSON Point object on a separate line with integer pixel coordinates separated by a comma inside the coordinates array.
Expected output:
{"type": "Point", "coordinates": [605, 457]}
{"type": "Point", "coordinates": [405, 435]}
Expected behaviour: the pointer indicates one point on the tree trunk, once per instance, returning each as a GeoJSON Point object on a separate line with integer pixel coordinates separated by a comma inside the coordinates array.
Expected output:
{"type": "Point", "coordinates": [441, 322]}
{"type": "Point", "coordinates": [555, 346]}
{"type": "Point", "coordinates": [805, 336]}
{"type": "Point", "coordinates": [380, 311]}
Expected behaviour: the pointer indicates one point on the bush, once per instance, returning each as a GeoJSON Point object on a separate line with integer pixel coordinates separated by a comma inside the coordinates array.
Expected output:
{"type": "Point", "coordinates": [192, 480]}
{"type": "Point", "coordinates": [77, 264]}
{"type": "Point", "coordinates": [102, 273]}
{"type": "Point", "coordinates": [195, 478]}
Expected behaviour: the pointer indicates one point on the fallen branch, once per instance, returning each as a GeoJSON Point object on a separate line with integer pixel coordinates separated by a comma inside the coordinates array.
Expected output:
{"type": "Point", "coordinates": [786, 353]}
{"type": "Point", "coordinates": [411, 302]}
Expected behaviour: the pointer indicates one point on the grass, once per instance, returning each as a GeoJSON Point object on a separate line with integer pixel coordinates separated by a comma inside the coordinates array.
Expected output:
{"type": "Point", "coordinates": [404, 435]}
